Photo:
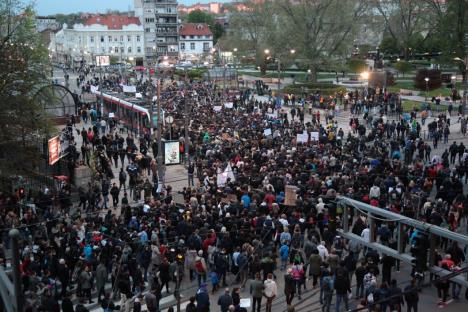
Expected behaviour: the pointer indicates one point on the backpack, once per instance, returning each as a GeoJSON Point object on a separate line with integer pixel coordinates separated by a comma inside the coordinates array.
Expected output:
{"type": "Point", "coordinates": [241, 260]}
{"type": "Point", "coordinates": [122, 176]}
{"type": "Point", "coordinates": [327, 284]}
{"type": "Point", "coordinates": [199, 266]}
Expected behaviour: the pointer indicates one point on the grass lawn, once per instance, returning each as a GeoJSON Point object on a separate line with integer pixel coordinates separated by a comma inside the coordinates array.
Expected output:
{"type": "Point", "coordinates": [300, 76]}
{"type": "Point", "coordinates": [409, 105]}
{"type": "Point", "coordinates": [443, 91]}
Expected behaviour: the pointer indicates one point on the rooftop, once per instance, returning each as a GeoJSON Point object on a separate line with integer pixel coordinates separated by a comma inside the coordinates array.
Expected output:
{"type": "Point", "coordinates": [112, 21]}
{"type": "Point", "coordinates": [195, 29]}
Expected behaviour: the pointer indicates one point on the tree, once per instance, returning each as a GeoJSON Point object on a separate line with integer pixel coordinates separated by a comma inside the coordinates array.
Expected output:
{"type": "Point", "coordinates": [403, 67]}
{"type": "Point", "coordinates": [389, 46]}
{"type": "Point", "coordinates": [435, 79]}
{"type": "Point", "coordinates": [403, 20]}
{"type": "Point", "coordinates": [251, 31]}
{"type": "Point", "coordinates": [199, 16]}
{"type": "Point", "coordinates": [320, 38]}
{"type": "Point", "coordinates": [24, 65]}
{"type": "Point", "coordinates": [218, 31]}
{"type": "Point", "coordinates": [357, 65]}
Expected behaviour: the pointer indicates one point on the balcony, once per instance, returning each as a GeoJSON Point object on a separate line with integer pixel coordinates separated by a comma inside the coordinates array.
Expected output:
{"type": "Point", "coordinates": [169, 14]}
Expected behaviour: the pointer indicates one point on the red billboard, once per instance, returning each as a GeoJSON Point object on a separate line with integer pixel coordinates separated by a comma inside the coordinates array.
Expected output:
{"type": "Point", "coordinates": [54, 150]}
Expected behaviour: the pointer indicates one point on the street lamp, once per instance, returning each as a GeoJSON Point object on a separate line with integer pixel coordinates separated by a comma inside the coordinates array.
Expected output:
{"type": "Point", "coordinates": [427, 86]}
{"type": "Point", "coordinates": [292, 51]}
{"type": "Point", "coordinates": [465, 81]}
{"type": "Point", "coordinates": [365, 75]}
{"type": "Point", "coordinates": [267, 51]}
{"type": "Point", "coordinates": [234, 58]}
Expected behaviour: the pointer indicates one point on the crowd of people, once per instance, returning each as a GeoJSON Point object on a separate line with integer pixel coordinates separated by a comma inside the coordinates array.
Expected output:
{"type": "Point", "coordinates": [238, 223]}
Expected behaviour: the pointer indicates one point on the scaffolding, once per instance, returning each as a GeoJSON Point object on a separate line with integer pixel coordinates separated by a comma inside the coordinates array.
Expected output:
{"type": "Point", "coordinates": [403, 223]}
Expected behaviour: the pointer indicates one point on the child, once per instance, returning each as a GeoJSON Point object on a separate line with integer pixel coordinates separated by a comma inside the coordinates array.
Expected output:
{"type": "Point", "coordinates": [284, 255]}
{"type": "Point", "coordinates": [215, 281]}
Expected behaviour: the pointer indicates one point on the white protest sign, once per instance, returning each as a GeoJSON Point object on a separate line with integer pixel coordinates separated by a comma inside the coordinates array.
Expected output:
{"type": "Point", "coordinates": [302, 137]}
{"type": "Point", "coordinates": [129, 89]}
{"type": "Point", "coordinates": [228, 105]}
{"type": "Point", "coordinates": [314, 136]}
{"type": "Point", "coordinates": [217, 108]}
{"type": "Point", "coordinates": [267, 132]}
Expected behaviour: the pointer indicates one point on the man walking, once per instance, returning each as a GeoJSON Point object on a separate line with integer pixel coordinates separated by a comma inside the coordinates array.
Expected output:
{"type": "Point", "coordinates": [270, 292]}
{"type": "Point", "coordinates": [411, 297]}
{"type": "Point", "coordinates": [256, 290]}
{"type": "Point", "coordinates": [225, 300]}
{"type": "Point", "coordinates": [342, 287]}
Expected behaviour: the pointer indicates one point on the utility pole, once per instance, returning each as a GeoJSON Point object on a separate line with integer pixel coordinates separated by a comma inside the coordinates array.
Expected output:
{"type": "Point", "coordinates": [160, 149]}
{"type": "Point", "coordinates": [279, 74]}
{"type": "Point", "coordinates": [186, 126]}
{"type": "Point", "coordinates": [100, 88]}
{"type": "Point", "coordinates": [14, 235]}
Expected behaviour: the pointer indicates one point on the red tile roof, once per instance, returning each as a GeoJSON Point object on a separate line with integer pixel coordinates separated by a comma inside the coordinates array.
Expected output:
{"type": "Point", "coordinates": [195, 29]}
{"type": "Point", "coordinates": [112, 21]}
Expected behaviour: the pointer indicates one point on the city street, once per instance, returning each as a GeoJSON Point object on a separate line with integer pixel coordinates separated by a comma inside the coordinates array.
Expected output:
{"type": "Point", "coordinates": [176, 176]}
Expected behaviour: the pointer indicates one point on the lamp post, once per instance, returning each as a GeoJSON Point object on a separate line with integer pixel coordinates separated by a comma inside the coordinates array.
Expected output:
{"type": "Point", "coordinates": [235, 66]}
{"type": "Point", "coordinates": [465, 81]}
{"type": "Point", "coordinates": [278, 60]}
{"type": "Point", "coordinates": [427, 87]}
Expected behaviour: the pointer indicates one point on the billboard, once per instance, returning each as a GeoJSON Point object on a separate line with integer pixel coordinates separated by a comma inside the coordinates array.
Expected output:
{"type": "Point", "coordinates": [102, 60]}
{"type": "Point", "coordinates": [171, 152]}
{"type": "Point", "coordinates": [54, 150]}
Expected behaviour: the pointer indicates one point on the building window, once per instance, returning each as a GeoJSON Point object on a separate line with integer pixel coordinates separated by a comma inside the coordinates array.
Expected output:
{"type": "Point", "coordinates": [116, 49]}
{"type": "Point", "coordinates": [115, 39]}
{"type": "Point", "coordinates": [110, 38]}
{"type": "Point", "coordinates": [206, 46]}
{"type": "Point", "coordinates": [182, 46]}
{"type": "Point", "coordinates": [149, 20]}
{"type": "Point", "coordinates": [91, 38]}
{"type": "Point", "coordinates": [110, 49]}
{"type": "Point", "coordinates": [139, 49]}
{"type": "Point", "coordinates": [121, 49]}
{"type": "Point", "coordinates": [149, 50]}
{"type": "Point", "coordinates": [138, 38]}
{"type": "Point", "coordinates": [129, 38]}
{"type": "Point", "coordinates": [147, 30]}
{"type": "Point", "coordinates": [192, 37]}
{"type": "Point", "coordinates": [129, 49]}
{"type": "Point", "coordinates": [192, 45]}
{"type": "Point", "coordinates": [103, 50]}
{"type": "Point", "coordinates": [183, 37]}
{"type": "Point", "coordinates": [121, 38]}
{"type": "Point", "coordinates": [102, 38]}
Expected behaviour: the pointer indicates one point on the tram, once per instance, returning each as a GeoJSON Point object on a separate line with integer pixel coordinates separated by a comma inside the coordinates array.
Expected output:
{"type": "Point", "coordinates": [129, 111]}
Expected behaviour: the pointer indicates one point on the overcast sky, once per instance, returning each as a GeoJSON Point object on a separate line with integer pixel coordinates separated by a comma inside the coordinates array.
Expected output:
{"type": "Point", "coordinates": [46, 7]}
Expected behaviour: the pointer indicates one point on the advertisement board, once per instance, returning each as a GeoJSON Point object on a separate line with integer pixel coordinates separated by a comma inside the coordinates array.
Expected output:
{"type": "Point", "coordinates": [54, 150]}
{"type": "Point", "coordinates": [102, 60]}
{"type": "Point", "coordinates": [171, 152]}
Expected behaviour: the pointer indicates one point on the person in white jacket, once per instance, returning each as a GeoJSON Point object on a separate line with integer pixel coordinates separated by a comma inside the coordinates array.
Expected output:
{"type": "Point", "coordinates": [270, 291]}
{"type": "Point", "coordinates": [323, 252]}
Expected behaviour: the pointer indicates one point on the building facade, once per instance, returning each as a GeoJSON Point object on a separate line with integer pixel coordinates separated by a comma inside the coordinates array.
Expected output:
{"type": "Point", "coordinates": [195, 41]}
{"type": "Point", "coordinates": [118, 36]}
{"type": "Point", "coordinates": [160, 23]}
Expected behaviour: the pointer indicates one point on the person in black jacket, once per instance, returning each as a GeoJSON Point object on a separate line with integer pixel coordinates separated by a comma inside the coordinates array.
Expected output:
{"type": "Point", "coordinates": [342, 286]}
{"type": "Point", "coordinates": [67, 305]}
{"type": "Point", "coordinates": [411, 296]}
{"type": "Point", "coordinates": [396, 296]}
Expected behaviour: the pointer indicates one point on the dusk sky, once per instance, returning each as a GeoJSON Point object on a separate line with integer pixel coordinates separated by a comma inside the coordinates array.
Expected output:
{"type": "Point", "coordinates": [46, 7]}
